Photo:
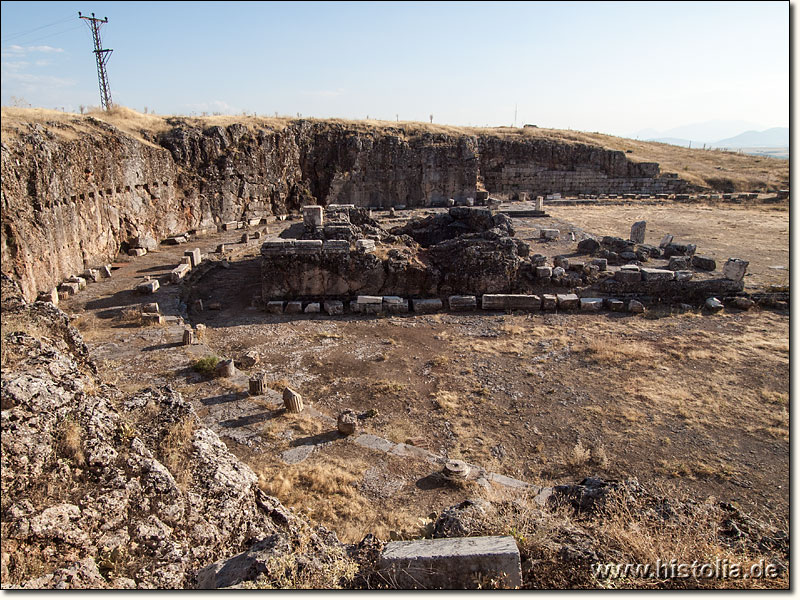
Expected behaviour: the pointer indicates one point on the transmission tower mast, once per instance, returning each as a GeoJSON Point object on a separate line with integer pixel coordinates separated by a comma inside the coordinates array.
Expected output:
{"type": "Point", "coordinates": [102, 57]}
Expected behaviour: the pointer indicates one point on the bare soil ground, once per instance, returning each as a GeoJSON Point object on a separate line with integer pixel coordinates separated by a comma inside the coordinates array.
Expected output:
{"type": "Point", "coordinates": [696, 402]}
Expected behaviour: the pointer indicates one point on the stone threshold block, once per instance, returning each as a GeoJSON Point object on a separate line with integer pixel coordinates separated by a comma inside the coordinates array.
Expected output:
{"type": "Point", "coordinates": [194, 256]}
{"type": "Point", "coordinates": [549, 301]}
{"type": "Point", "coordinates": [462, 302]}
{"type": "Point", "coordinates": [67, 289]}
{"type": "Point", "coordinates": [628, 276]}
{"type": "Point", "coordinates": [334, 307]}
{"type": "Point", "coordinates": [657, 274]}
{"type": "Point", "coordinates": [137, 252]}
{"type": "Point", "coordinates": [275, 307]}
{"type": "Point", "coordinates": [511, 302]}
{"type": "Point", "coordinates": [395, 304]}
{"type": "Point", "coordinates": [549, 234]}
{"type": "Point", "coordinates": [591, 304]}
{"type": "Point", "coordinates": [294, 307]}
{"type": "Point", "coordinates": [429, 305]}
{"type": "Point", "coordinates": [452, 563]}
{"type": "Point", "coordinates": [368, 305]}
{"type": "Point", "coordinates": [568, 301]}
{"type": "Point", "coordinates": [148, 287]}
{"type": "Point", "coordinates": [178, 273]}
{"type": "Point", "coordinates": [229, 226]}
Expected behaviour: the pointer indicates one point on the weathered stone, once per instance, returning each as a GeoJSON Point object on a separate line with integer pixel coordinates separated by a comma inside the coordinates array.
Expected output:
{"type": "Point", "coordinates": [222, 248]}
{"type": "Point", "coordinates": [178, 273]}
{"type": "Point", "coordinates": [147, 242]}
{"type": "Point", "coordinates": [637, 232]}
{"type": "Point", "coordinates": [176, 240]}
{"type": "Point", "coordinates": [544, 272]}
{"type": "Point", "coordinates": [743, 303]}
{"type": "Point", "coordinates": [50, 296]}
{"type": "Point", "coordinates": [312, 307]}
{"type": "Point", "coordinates": [365, 245]}
{"type": "Point", "coordinates": [244, 239]}
{"type": "Point", "coordinates": [225, 368]}
{"type": "Point", "coordinates": [549, 234]}
{"type": "Point", "coordinates": [704, 263]}
{"type": "Point", "coordinates": [92, 275]}
{"type": "Point", "coordinates": [628, 276]}
{"type": "Point", "coordinates": [307, 246]}
{"type": "Point", "coordinates": [665, 241]}
{"type": "Point", "coordinates": [149, 318]}
{"type": "Point", "coordinates": [684, 275]}
{"type": "Point", "coordinates": [194, 256]}
{"type": "Point", "coordinates": [423, 305]}
{"type": "Point", "coordinates": [79, 280]}
{"type": "Point", "coordinates": [600, 263]}
{"type": "Point", "coordinates": [292, 400]}
{"type": "Point", "coordinates": [462, 302]}
{"type": "Point", "coordinates": [105, 271]}
{"type": "Point", "coordinates": [452, 563]}
{"type": "Point", "coordinates": [188, 337]}
{"type": "Point", "coordinates": [248, 360]}
{"type": "Point", "coordinates": [657, 274]}
{"type": "Point", "coordinates": [510, 302]}
{"type": "Point", "coordinates": [568, 301]}
{"type": "Point", "coordinates": [591, 304]}
{"type": "Point", "coordinates": [634, 306]}
{"type": "Point", "coordinates": [395, 304]}
{"type": "Point", "coordinates": [336, 246]}
{"type": "Point", "coordinates": [549, 301]}
{"type": "Point", "coordinates": [347, 423]}
{"type": "Point", "coordinates": [557, 272]}
{"type": "Point", "coordinates": [312, 216]}
{"type": "Point", "coordinates": [576, 266]}
{"type": "Point", "coordinates": [679, 263]}
{"type": "Point", "coordinates": [588, 246]}
{"type": "Point", "coordinates": [334, 307]}
{"type": "Point", "coordinates": [561, 261]}
{"type": "Point", "coordinates": [148, 287]}
{"type": "Point", "coordinates": [275, 307]}
{"type": "Point", "coordinates": [456, 470]}
{"type": "Point", "coordinates": [257, 384]}
{"type": "Point", "coordinates": [186, 260]}
{"type": "Point", "coordinates": [229, 226]}
{"type": "Point", "coordinates": [615, 305]}
{"type": "Point", "coordinates": [735, 269]}
{"type": "Point", "coordinates": [293, 307]}
{"type": "Point", "coordinates": [714, 305]}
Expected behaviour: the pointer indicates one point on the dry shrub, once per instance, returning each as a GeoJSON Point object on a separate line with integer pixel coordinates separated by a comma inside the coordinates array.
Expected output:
{"type": "Point", "coordinates": [278, 384]}
{"type": "Point", "coordinates": [445, 400]}
{"type": "Point", "coordinates": [69, 442]}
{"type": "Point", "coordinates": [176, 450]}
{"type": "Point", "coordinates": [579, 456]}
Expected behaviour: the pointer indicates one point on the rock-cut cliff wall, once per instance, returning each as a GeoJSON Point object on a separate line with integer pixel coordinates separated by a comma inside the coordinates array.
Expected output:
{"type": "Point", "coordinates": [75, 192]}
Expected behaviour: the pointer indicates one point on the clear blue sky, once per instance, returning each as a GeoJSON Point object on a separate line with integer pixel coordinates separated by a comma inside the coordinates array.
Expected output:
{"type": "Point", "coordinates": [594, 66]}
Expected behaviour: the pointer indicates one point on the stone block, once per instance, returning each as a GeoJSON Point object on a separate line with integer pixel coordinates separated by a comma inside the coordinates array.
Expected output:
{"type": "Point", "coordinates": [225, 368]}
{"type": "Point", "coordinates": [426, 305]}
{"type": "Point", "coordinates": [511, 302]}
{"type": "Point", "coordinates": [150, 307]}
{"type": "Point", "coordinates": [395, 304]}
{"type": "Point", "coordinates": [369, 299]}
{"type": "Point", "coordinates": [79, 280]}
{"type": "Point", "coordinates": [451, 563]}
{"type": "Point", "coordinates": [544, 271]}
{"type": "Point", "coordinates": [149, 318]}
{"type": "Point", "coordinates": [50, 296]}
{"type": "Point", "coordinates": [244, 239]}
{"type": "Point", "coordinates": [194, 256]}
{"type": "Point", "coordinates": [615, 305]}
{"type": "Point", "coordinates": [684, 275]}
{"type": "Point", "coordinates": [637, 232]}
{"type": "Point", "coordinates": [275, 307]}
{"type": "Point", "coordinates": [549, 234]}
{"type": "Point", "coordinates": [312, 308]}
{"type": "Point", "coordinates": [600, 263]}
{"type": "Point", "coordinates": [148, 242]}
{"type": "Point", "coordinates": [148, 287]}
{"type": "Point", "coordinates": [292, 400]}
{"type": "Point", "coordinates": [176, 240]}
{"type": "Point", "coordinates": [336, 246]}
{"type": "Point", "coordinates": [557, 272]}
{"type": "Point", "coordinates": [743, 303]}
{"type": "Point", "coordinates": [334, 307]}
{"type": "Point", "coordinates": [178, 273]}
{"type": "Point", "coordinates": [634, 306]}
{"type": "Point", "coordinates": [307, 246]}
{"type": "Point", "coordinates": [294, 307]}
{"type": "Point", "coordinates": [462, 302]}
{"type": "Point", "coordinates": [714, 305]}
{"type": "Point", "coordinates": [704, 263]}
{"type": "Point", "coordinates": [539, 204]}
{"type": "Point", "coordinates": [657, 274]}
{"type": "Point", "coordinates": [137, 252]}
{"type": "Point", "coordinates": [186, 260]}
{"type": "Point", "coordinates": [312, 216]}
{"type": "Point", "coordinates": [588, 246]}
{"type": "Point", "coordinates": [591, 304]}
{"type": "Point", "coordinates": [666, 241]}
{"type": "Point", "coordinates": [105, 271]}
{"type": "Point", "coordinates": [679, 263]}
{"type": "Point", "coordinates": [92, 275]}
{"type": "Point", "coordinates": [229, 226]}
{"type": "Point", "coordinates": [735, 269]}
{"type": "Point", "coordinates": [68, 288]}
{"type": "Point", "coordinates": [549, 301]}
{"type": "Point", "coordinates": [365, 245]}
{"type": "Point", "coordinates": [347, 423]}
{"type": "Point", "coordinates": [568, 301]}
{"type": "Point", "coordinates": [222, 248]}
{"type": "Point", "coordinates": [561, 261]}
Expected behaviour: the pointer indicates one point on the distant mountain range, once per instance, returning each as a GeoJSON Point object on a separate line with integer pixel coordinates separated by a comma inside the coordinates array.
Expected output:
{"type": "Point", "coordinates": [719, 134]}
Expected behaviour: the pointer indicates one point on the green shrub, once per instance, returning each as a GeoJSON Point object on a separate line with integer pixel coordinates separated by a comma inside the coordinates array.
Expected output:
{"type": "Point", "coordinates": [206, 365]}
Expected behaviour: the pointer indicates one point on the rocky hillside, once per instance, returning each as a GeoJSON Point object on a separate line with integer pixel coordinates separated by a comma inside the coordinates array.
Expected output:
{"type": "Point", "coordinates": [76, 189]}
{"type": "Point", "coordinates": [103, 490]}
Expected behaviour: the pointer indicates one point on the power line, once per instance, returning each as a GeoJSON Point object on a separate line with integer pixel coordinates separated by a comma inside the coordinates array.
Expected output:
{"type": "Point", "coordinates": [51, 35]}
{"type": "Point", "coordinates": [24, 33]}
{"type": "Point", "coordinates": [102, 56]}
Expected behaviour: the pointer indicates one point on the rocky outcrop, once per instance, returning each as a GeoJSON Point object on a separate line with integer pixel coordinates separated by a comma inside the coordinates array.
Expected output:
{"type": "Point", "coordinates": [101, 490]}
{"type": "Point", "coordinates": [77, 191]}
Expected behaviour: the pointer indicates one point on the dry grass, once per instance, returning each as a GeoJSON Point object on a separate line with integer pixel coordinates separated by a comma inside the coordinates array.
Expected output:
{"type": "Point", "coordinates": [608, 350]}
{"type": "Point", "coordinates": [69, 441]}
{"type": "Point", "coordinates": [446, 400]}
{"type": "Point", "coordinates": [176, 451]}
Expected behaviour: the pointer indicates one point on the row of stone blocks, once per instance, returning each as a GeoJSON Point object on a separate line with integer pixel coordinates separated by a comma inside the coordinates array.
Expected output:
{"type": "Point", "coordinates": [190, 260]}
{"type": "Point", "coordinates": [373, 305]}
{"type": "Point", "coordinates": [75, 284]}
{"type": "Point", "coordinates": [313, 246]}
